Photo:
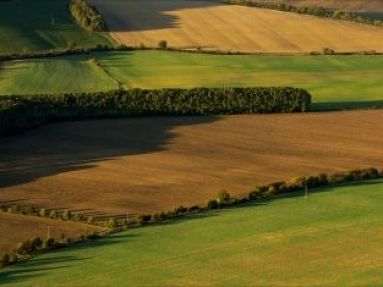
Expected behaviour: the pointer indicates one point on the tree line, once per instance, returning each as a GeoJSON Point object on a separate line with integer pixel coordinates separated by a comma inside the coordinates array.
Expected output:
{"type": "Point", "coordinates": [87, 16]}
{"type": "Point", "coordinates": [223, 199]}
{"type": "Point", "coordinates": [18, 113]}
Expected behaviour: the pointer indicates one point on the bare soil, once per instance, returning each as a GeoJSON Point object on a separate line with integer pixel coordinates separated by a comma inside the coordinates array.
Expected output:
{"type": "Point", "coordinates": [17, 228]}
{"type": "Point", "coordinates": [153, 164]}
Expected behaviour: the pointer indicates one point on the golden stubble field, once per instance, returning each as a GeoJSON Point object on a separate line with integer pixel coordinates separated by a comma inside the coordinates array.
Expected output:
{"type": "Point", "coordinates": [216, 26]}
{"type": "Point", "coordinates": [153, 164]}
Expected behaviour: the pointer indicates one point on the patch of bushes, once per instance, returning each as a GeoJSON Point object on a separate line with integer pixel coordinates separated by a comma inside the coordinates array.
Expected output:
{"type": "Point", "coordinates": [87, 16]}
{"type": "Point", "coordinates": [19, 113]}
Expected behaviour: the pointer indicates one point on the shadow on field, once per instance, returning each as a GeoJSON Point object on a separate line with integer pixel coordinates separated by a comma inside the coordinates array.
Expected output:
{"type": "Point", "coordinates": [31, 22]}
{"type": "Point", "coordinates": [59, 259]}
{"type": "Point", "coordinates": [38, 267]}
{"type": "Point", "coordinates": [336, 106]}
{"type": "Point", "coordinates": [147, 14]}
{"type": "Point", "coordinates": [74, 146]}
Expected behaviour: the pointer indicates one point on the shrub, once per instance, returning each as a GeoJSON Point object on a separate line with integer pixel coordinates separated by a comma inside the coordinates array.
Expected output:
{"type": "Point", "coordinates": [53, 214]}
{"type": "Point", "coordinates": [77, 217]}
{"type": "Point", "coordinates": [111, 223]}
{"type": "Point", "coordinates": [42, 212]}
{"type": "Point", "coordinates": [162, 44]}
{"type": "Point", "coordinates": [328, 51]}
{"type": "Point", "coordinates": [90, 220]}
{"type": "Point", "coordinates": [48, 243]}
{"type": "Point", "coordinates": [212, 204]}
{"type": "Point", "coordinates": [180, 210]}
{"type": "Point", "coordinates": [5, 260]}
{"type": "Point", "coordinates": [66, 215]}
{"type": "Point", "coordinates": [223, 197]}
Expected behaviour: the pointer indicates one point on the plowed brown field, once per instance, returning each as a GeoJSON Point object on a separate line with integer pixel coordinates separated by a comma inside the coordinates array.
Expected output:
{"type": "Point", "coordinates": [16, 228]}
{"type": "Point", "coordinates": [151, 164]}
{"type": "Point", "coordinates": [211, 25]}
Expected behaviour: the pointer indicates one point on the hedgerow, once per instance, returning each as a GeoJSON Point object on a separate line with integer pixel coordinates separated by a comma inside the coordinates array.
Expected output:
{"type": "Point", "coordinates": [18, 113]}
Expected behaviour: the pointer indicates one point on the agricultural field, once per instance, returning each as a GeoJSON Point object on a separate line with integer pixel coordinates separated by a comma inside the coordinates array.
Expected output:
{"type": "Point", "coordinates": [40, 25]}
{"type": "Point", "coordinates": [216, 26]}
{"type": "Point", "coordinates": [17, 228]}
{"type": "Point", "coordinates": [141, 165]}
{"type": "Point", "coordinates": [331, 238]}
{"type": "Point", "coordinates": [334, 81]}
{"type": "Point", "coordinates": [362, 6]}
{"type": "Point", "coordinates": [56, 75]}
{"type": "Point", "coordinates": [111, 169]}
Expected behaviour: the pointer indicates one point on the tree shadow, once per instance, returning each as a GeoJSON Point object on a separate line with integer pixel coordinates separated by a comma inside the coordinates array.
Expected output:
{"type": "Point", "coordinates": [38, 267]}
{"type": "Point", "coordinates": [347, 105]}
{"type": "Point", "coordinates": [149, 14]}
{"type": "Point", "coordinates": [73, 146]}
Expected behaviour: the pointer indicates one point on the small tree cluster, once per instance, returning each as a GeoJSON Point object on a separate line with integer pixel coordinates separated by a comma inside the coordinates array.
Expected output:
{"type": "Point", "coordinates": [87, 16]}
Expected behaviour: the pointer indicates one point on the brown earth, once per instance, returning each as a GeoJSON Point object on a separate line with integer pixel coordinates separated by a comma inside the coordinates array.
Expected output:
{"type": "Point", "coordinates": [17, 228]}
{"type": "Point", "coordinates": [152, 164]}
{"type": "Point", "coordinates": [216, 26]}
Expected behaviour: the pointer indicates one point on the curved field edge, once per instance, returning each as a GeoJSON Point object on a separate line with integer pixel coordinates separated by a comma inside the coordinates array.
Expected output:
{"type": "Point", "coordinates": [42, 25]}
{"type": "Point", "coordinates": [332, 237]}
{"type": "Point", "coordinates": [147, 165]}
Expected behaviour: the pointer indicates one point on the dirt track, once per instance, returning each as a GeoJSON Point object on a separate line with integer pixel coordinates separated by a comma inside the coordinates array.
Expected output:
{"type": "Point", "coordinates": [150, 164]}
{"type": "Point", "coordinates": [211, 26]}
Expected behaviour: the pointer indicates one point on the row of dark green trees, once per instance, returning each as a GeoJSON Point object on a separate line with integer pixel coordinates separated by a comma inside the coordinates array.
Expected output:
{"type": "Point", "coordinates": [18, 113]}
{"type": "Point", "coordinates": [87, 16]}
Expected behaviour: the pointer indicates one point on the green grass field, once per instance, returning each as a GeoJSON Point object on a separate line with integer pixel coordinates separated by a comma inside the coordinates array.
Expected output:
{"type": "Point", "coordinates": [332, 238]}
{"type": "Point", "coordinates": [335, 82]}
{"type": "Point", "coordinates": [38, 25]}
{"type": "Point", "coordinates": [69, 74]}
{"type": "Point", "coordinates": [343, 81]}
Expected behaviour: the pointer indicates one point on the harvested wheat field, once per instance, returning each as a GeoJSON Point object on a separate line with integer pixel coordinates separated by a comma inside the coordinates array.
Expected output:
{"type": "Point", "coordinates": [17, 228]}
{"type": "Point", "coordinates": [212, 25]}
{"type": "Point", "coordinates": [152, 164]}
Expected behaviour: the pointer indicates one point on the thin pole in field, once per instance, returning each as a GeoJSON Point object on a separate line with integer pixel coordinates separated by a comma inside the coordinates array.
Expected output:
{"type": "Point", "coordinates": [306, 191]}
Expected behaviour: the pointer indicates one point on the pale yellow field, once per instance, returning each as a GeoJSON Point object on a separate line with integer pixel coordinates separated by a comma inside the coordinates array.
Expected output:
{"type": "Point", "coordinates": [213, 26]}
